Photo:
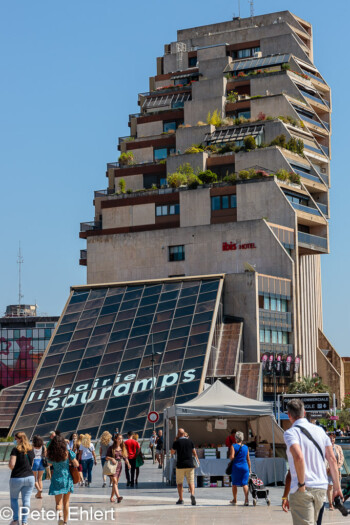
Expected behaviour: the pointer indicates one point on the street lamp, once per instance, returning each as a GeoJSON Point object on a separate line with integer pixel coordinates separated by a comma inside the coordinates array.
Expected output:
{"type": "Point", "coordinates": [277, 365]}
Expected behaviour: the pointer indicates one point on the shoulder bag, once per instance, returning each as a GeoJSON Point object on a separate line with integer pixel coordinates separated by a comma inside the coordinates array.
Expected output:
{"type": "Point", "coordinates": [109, 468]}
{"type": "Point", "coordinates": [228, 470]}
{"type": "Point", "coordinates": [309, 436]}
{"type": "Point", "coordinates": [74, 472]}
{"type": "Point", "coordinates": [43, 457]}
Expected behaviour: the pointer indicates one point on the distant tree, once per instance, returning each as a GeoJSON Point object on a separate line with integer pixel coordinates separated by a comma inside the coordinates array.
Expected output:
{"type": "Point", "coordinates": [308, 385]}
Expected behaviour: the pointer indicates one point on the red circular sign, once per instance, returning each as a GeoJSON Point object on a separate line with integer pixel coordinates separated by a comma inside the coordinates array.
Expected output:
{"type": "Point", "coordinates": [153, 417]}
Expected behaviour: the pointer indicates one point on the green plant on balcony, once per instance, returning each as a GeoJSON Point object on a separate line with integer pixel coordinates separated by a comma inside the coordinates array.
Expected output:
{"type": "Point", "coordinates": [122, 185]}
{"type": "Point", "coordinates": [282, 174]}
{"type": "Point", "coordinates": [195, 148]}
{"type": "Point", "coordinates": [201, 123]}
{"type": "Point", "coordinates": [175, 180]}
{"type": "Point", "coordinates": [162, 161]}
{"type": "Point", "coordinates": [207, 177]}
{"type": "Point", "coordinates": [255, 97]}
{"type": "Point", "coordinates": [129, 191]}
{"type": "Point", "coordinates": [228, 121]}
{"type": "Point", "coordinates": [214, 118]}
{"type": "Point", "coordinates": [230, 178]}
{"type": "Point", "coordinates": [228, 148]}
{"type": "Point", "coordinates": [126, 158]}
{"type": "Point", "coordinates": [232, 96]}
{"type": "Point", "coordinates": [193, 181]}
{"type": "Point", "coordinates": [249, 143]}
{"type": "Point", "coordinates": [243, 174]}
{"type": "Point", "coordinates": [294, 178]}
{"type": "Point", "coordinates": [212, 148]}
{"type": "Point", "coordinates": [285, 67]}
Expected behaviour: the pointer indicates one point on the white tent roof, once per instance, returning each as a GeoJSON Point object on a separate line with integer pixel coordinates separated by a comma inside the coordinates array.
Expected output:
{"type": "Point", "coordinates": [220, 400]}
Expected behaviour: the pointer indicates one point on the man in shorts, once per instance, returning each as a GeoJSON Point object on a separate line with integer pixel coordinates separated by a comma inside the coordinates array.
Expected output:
{"type": "Point", "coordinates": [185, 451]}
{"type": "Point", "coordinates": [159, 449]}
{"type": "Point", "coordinates": [152, 444]}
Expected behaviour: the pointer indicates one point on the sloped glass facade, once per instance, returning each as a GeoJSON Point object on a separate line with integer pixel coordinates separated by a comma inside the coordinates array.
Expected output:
{"type": "Point", "coordinates": [97, 373]}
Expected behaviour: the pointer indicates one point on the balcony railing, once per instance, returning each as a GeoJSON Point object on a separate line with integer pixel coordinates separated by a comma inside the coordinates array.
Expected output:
{"type": "Point", "coordinates": [314, 240]}
{"type": "Point", "coordinates": [323, 208]}
{"type": "Point", "coordinates": [325, 149]}
{"type": "Point", "coordinates": [103, 193]}
{"type": "Point", "coordinates": [313, 97]}
{"type": "Point", "coordinates": [119, 165]}
{"type": "Point", "coordinates": [83, 254]}
{"type": "Point", "coordinates": [88, 226]}
{"type": "Point", "coordinates": [313, 76]}
{"type": "Point", "coordinates": [306, 175]}
{"type": "Point", "coordinates": [274, 319]}
{"type": "Point", "coordinates": [276, 348]}
{"type": "Point", "coordinates": [306, 209]}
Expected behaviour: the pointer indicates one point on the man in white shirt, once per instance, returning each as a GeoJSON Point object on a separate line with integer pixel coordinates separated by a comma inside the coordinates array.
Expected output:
{"type": "Point", "coordinates": [307, 448]}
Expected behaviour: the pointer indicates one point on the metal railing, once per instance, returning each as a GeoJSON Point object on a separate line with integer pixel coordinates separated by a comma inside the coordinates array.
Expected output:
{"type": "Point", "coordinates": [323, 208]}
{"type": "Point", "coordinates": [119, 165]}
{"type": "Point", "coordinates": [306, 209]}
{"type": "Point", "coordinates": [88, 226]}
{"type": "Point", "coordinates": [275, 319]}
{"type": "Point", "coordinates": [306, 175]}
{"type": "Point", "coordinates": [276, 348]}
{"type": "Point", "coordinates": [314, 240]}
{"type": "Point", "coordinates": [103, 193]}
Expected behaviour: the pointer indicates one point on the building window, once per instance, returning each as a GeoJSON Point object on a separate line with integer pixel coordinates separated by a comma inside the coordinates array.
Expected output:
{"type": "Point", "coordinates": [162, 153]}
{"type": "Point", "coordinates": [177, 253]}
{"type": "Point", "coordinates": [276, 337]}
{"type": "Point", "coordinates": [192, 61]}
{"type": "Point", "coordinates": [275, 304]}
{"type": "Point", "coordinates": [167, 209]}
{"type": "Point", "coordinates": [245, 53]}
{"type": "Point", "coordinates": [223, 202]}
{"type": "Point", "coordinates": [169, 126]}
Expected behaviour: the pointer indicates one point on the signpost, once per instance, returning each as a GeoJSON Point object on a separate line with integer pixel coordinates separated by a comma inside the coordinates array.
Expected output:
{"type": "Point", "coordinates": [314, 403]}
{"type": "Point", "coordinates": [153, 417]}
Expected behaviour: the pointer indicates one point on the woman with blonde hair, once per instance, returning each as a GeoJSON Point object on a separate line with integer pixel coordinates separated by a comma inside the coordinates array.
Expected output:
{"type": "Point", "coordinates": [77, 453]}
{"type": "Point", "coordinates": [88, 457]}
{"type": "Point", "coordinates": [22, 478]}
{"type": "Point", "coordinates": [105, 443]}
{"type": "Point", "coordinates": [116, 453]}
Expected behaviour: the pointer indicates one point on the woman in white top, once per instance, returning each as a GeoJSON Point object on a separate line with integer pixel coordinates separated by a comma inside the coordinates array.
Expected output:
{"type": "Point", "coordinates": [38, 467]}
{"type": "Point", "coordinates": [87, 457]}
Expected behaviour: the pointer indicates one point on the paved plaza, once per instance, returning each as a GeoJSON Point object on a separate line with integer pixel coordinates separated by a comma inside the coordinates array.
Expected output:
{"type": "Point", "coordinates": [154, 502]}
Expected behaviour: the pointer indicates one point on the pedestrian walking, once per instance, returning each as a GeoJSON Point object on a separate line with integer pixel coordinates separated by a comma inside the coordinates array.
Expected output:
{"type": "Point", "coordinates": [339, 456]}
{"type": "Point", "coordinates": [139, 460]}
{"type": "Point", "coordinates": [231, 439]}
{"type": "Point", "coordinates": [159, 449]}
{"type": "Point", "coordinates": [38, 464]}
{"type": "Point", "coordinates": [185, 450]}
{"type": "Point", "coordinates": [285, 503]}
{"type": "Point", "coordinates": [61, 482]}
{"type": "Point", "coordinates": [307, 448]}
{"type": "Point", "coordinates": [132, 448]}
{"type": "Point", "coordinates": [76, 449]}
{"type": "Point", "coordinates": [88, 458]}
{"type": "Point", "coordinates": [73, 440]}
{"type": "Point", "coordinates": [22, 477]}
{"type": "Point", "coordinates": [105, 443]}
{"type": "Point", "coordinates": [152, 445]}
{"type": "Point", "coordinates": [117, 453]}
{"type": "Point", "coordinates": [239, 453]}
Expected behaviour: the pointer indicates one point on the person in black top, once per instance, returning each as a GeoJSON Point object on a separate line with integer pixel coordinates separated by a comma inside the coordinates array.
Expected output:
{"type": "Point", "coordinates": [22, 477]}
{"type": "Point", "coordinates": [159, 449]}
{"type": "Point", "coordinates": [185, 451]}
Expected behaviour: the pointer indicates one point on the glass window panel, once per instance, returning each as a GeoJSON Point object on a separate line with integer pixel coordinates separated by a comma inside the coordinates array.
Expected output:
{"type": "Point", "coordinates": [225, 202]}
{"type": "Point", "coordinates": [132, 292]}
{"type": "Point", "coordinates": [69, 425]}
{"type": "Point", "coordinates": [198, 339]}
{"type": "Point", "coordinates": [113, 299]}
{"type": "Point", "coordinates": [90, 362]}
{"type": "Point", "coordinates": [111, 308]}
{"type": "Point", "coordinates": [274, 336]}
{"type": "Point", "coordinates": [189, 290]}
{"type": "Point", "coordinates": [233, 198]}
{"type": "Point", "coordinates": [122, 325]}
{"type": "Point", "coordinates": [187, 301]}
{"type": "Point", "coordinates": [146, 310]}
{"type": "Point", "coordinates": [64, 338]}
{"type": "Point", "coordinates": [179, 332]}
{"type": "Point", "coordinates": [97, 303]}
{"type": "Point", "coordinates": [267, 336]}
{"type": "Point", "coordinates": [78, 297]}
{"type": "Point", "coordinates": [118, 402]}
{"type": "Point", "coordinates": [158, 337]}
{"type": "Point", "coordinates": [86, 323]}
{"type": "Point", "coordinates": [159, 327]}
{"type": "Point", "coordinates": [76, 345]}
{"type": "Point", "coordinates": [200, 318]}
{"type": "Point", "coordinates": [83, 375]}
{"type": "Point", "coordinates": [140, 330]}
{"type": "Point", "coordinates": [215, 203]}
{"type": "Point", "coordinates": [137, 341]}
{"type": "Point", "coordinates": [134, 352]}
{"type": "Point", "coordinates": [103, 329]}
{"type": "Point", "coordinates": [262, 335]}
{"type": "Point", "coordinates": [158, 211]}
{"type": "Point", "coordinates": [209, 286]}
{"type": "Point", "coordinates": [94, 350]}
{"type": "Point", "coordinates": [193, 351]}
{"type": "Point", "coordinates": [158, 347]}
{"type": "Point", "coordinates": [168, 296]}
{"type": "Point", "coordinates": [188, 388]}
{"type": "Point", "coordinates": [107, 369]}
{"type": "Point", "coordinates": [174, 356]}
{"type": "Point", "coordinates": [160, 153]}
{"type": "Point", "coordinates": [114, 347]}
{"type": "Point", "coordinates": [48, 371]}
{"type": "Point", "coordinates": [33, 408]}
{"type": "Point", "coordinates": [169, 305]}
{"type": "Point", "coordinates": [114, 415]}
{"type": "Point", "coordinates": [98, 339]}
{"type": "Point", "coordinates": [88, 314]}
{"type": "Point", "coordinates": [105, 319]}
{"type": "Point", "coordinates": [266, 302]}
{"type": "Point", "coordinates": [46, 417]}
{"type": "Point", "coordinates": [70, 412]}
{"type": "Point", "coordinates": [205, 307]}
{"type": "Point", "coordinates": [115, 357]}
{"type": "Point", "coordinates": [284, 305]}
{"type": "Point", "coordinates": [285, 338]}
{"type": "Point", "coordinates": [193, 362]}
{"type": "Point", "coordinates": [200, 328]}
{"type": "Point", "coordinates": [71, 366]}
{"type": "Point", "coordinates": [127, 314]}
{"type": "Point", "coordinates": [182, 321]}
{"type": "Point", "coordinates": [177, 343]}
{"type": "Point", "coordinates": [273, 303]}
{"type": "Point", "coordinates": [182, 312]}
{"type": "Point", "coordinates": [97, 406]}
{"type": "Point", "coordinates": [168, 368]}
{"type": "Point", "coordinates": [137, 411]}
{"type": "Point", "coordinates": [132, 364]}
{"type": "Point", "coordinates": [129, 305]}
{"type": "Point", "coordinates": [203, 297]}
{"type": "Point", "coordinates": [41, 384]}
{"type": "Point", "coordinates": [66, 328]}
{"type": "Point", "coordinates": [65, 379]}
{"type": "Point", "coordinates": [116, 291]}
{"type": "Point", "coordinates": [97, 293]}
{"type": "Point", "coordinates": [163, 316]}
{"type": "Point", "coordinates": [135, 425]}
{"type": "Point", "coordinates": [144, 396]}
{"type": "Point", "coordinates": [167, 392]}
{"type": "Point", "coordinates": [70, 318]}
{"type": "Point", "coordinates": [278, 305]}
{"type": "Point", "coordinates": [53, 360]}
{"type": "Point", "coordinates": [146, 319]}
{"type": "Point", "coordinates": [82, 334]}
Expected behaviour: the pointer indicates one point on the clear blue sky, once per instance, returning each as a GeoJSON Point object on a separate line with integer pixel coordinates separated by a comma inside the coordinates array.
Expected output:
{"type": "Point", "coordinates": [71, 71]}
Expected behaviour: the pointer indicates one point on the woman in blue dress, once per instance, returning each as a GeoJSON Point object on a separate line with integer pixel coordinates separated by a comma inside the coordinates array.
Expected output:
{"type": "Point", "coordinates": [61, 481]}
{"type": "Point", "coordinates": [240, 468]}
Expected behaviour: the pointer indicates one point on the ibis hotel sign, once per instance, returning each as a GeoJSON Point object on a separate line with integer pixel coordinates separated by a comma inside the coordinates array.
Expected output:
{"type": "Point", "coordinates": [233, 246]}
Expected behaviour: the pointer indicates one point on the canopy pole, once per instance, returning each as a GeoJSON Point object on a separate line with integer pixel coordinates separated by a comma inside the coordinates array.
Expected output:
{"type": "Point", "coordinates": [274, 449]}
{"type": "Point", "coordinates": [167, 453]}
{"type": "Point", "coordinates": [176, 429]}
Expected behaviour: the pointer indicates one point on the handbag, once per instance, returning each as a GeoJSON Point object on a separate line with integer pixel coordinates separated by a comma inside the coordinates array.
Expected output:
{"type": "Point", "coordinates": [74, 472]}
{"type": "Point", "coordinates": [139, 460]}
{"type": "Point", "coordinates": [44, 458]}
{"type": "Point", "coordinates": [109, 468]}
{"type": "Point", "coordinates": [229, 467]}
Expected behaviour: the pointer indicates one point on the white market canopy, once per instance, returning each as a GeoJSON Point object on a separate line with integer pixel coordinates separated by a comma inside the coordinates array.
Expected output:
{"type": "Point", "coordinates": [220, 401]}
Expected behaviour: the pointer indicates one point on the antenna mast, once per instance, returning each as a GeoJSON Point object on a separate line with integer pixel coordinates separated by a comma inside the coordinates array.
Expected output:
{"type": "Point", "coordinates": [20, 261]}
{"type": "Point", "coordinates": [251, 7]}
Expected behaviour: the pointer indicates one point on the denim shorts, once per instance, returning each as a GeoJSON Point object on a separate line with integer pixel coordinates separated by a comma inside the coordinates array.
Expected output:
{"type": "Point", "coordinates": [38, 465]}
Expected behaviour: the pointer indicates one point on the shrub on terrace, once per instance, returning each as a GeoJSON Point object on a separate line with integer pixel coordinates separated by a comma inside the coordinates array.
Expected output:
{"type": "Point", "coordinates": [207, 177]}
